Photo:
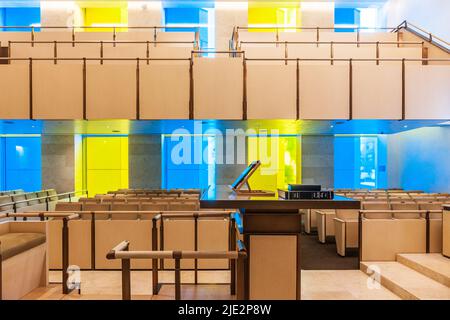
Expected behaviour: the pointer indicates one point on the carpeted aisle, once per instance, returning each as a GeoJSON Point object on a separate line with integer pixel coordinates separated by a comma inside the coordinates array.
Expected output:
{"type": "Point", "coordinates": [318, 256]}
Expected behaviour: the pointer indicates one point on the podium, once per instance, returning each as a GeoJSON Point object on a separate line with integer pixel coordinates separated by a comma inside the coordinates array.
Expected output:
{"type": "Point", "coordinates": [271, 230]}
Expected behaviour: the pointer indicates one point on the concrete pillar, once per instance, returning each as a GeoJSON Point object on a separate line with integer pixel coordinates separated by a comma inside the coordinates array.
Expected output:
{"type": "Point", "coordinates": [144, 160]}
{"type": "Point", "coordinates": [318, 160]}
{"type": "Point", "coordinates": [58, 162]}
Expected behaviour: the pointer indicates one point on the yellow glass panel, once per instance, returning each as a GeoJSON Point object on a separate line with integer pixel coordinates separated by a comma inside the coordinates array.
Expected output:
{"type": "Point", "coordinates": [276, 14]}
{"type": "Point", "coordinates": [279, 156]}
{"type": "Point", "coordinates": [98, 14]}
{"type": "Point", "coordinates": [106, 164]}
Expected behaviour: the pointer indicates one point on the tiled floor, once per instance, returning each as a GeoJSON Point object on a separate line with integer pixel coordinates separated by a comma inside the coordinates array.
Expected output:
{"type": "Point", "coordinates": [316, 285]}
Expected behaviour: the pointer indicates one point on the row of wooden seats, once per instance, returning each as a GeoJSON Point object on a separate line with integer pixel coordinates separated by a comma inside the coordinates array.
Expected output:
{"type": "Point", "coordinates": [343, 224]}
{"type": "Point", "coordinates": [122, 206]}
{"type": "Point", "coordinates": [383, 238]}
{"type": "Point", "coordinates": [312, 218]}
{"type": "Point", "coordinates": [26, 199]}
{"type": "Point", "coordinates": [156, 191]}
{"type": "Point", "coordinates": [91, 239]}
{"type": "Point", "coordinates": [11, 192]}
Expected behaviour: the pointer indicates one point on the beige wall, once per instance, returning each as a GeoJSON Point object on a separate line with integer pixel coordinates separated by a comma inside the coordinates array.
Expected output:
{"type": "Point", "coordinates": [317, 14]}
{"type": "Point", "coordinates": [228, 15]}
{"type": "Point", "coordinates": [145, 13]}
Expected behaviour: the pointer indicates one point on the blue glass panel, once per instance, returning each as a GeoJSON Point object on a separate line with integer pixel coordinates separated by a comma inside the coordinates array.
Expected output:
{"type": "Point", "coordinates": [23, 163]}
{"type": "Point", "coordinates": [346, 16]}
{"type": "Point", "coordinates": [184, 166]}
{"type": "Point", "coordinates": [20, 17]}
{"type": "Point", "coordinates": [188, 15]}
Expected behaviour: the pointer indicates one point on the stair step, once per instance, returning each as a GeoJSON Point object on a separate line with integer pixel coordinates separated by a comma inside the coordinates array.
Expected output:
{"type": "Point", "coordinates": [432, 265]}
{"type": "Point", "coordinates": [406, 282]}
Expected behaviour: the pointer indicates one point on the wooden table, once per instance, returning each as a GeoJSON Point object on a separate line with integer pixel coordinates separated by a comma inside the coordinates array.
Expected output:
{"type": "Point", "coordinates": [271, 229]}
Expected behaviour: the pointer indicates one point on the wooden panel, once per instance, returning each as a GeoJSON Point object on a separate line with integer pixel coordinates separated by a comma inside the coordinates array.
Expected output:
{"type": "Point", "coordinates": [175, 36]}
{"type": "Point", "coordinates": [377, 92]}
{"type": "Point", "coordinates": [273, 267]}
{"type": "Point", "coordinates": [297, 36]}
{"type": "Point", "coordinates": [109, 233]}
{"type": "Point", "coordinates": [24, 272]}
{"type": "Point", "coordinates": [14, 91]}
{"type": "Point", "coordinates": [400, 53]}
{"type": "Point", "coordinates": [142, 35]}
{"type": "Point", "coordinates": [111, 91]}
{"type": "Point", "coordinates": [345, 51]}
{"type": "Point", "coordinates": [325, 36]}
{"type": "Point", "coordinates": [125, 51]}
{"type": "Point", "coordinates": [58, 91]}
{"type": "Point", "coordinates": [307, 51]}
{"type": "Point", "coordinates": [79, 243]}
{"type": "Point", "coordinates": [257, 36]}
{"type": "Point", "coordinates": [25, 50]}
{"type": "Point", "coordinates": [164, 91]}
{"type": "Point", "coordinates": [179, 235]}
{"type": "Point", "coordinates": [446, 233]}
{"type": "Point", "coordinates": [271, 92]}
{"type": "Point", "coordinates": [324, 92]}
{"type": "Point", "coordinates": [213, 236]}
{"type": "Point", "coordinates": [53, 36]}
{"type": "Point", "coordinates": [378, 36]}
{"type": "Point", "coordinates": [80, 50]}
{"type": "Point", "coordinates": [264, 52]}
{"type": "Point", "coordinates": [164, 52]}
{"type": "Point", "coordinates": [218, 88]}
{"type": "Point", "coordinates": [427, 92]}
{"type": "Point", "coordinates": [14, 36]}
{"type": "Point", "coordinates": [93, 36]}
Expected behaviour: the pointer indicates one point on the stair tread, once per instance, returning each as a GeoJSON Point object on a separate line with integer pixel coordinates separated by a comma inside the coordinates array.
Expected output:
{"type": "Point", "coordinates": [411, 281]}
{"type": "Point", "coordinates": [426, 263]}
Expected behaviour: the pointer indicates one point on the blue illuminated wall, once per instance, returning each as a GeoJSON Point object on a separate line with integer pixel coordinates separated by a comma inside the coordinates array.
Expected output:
{"type": "Point", "coordinates": [20, 163]}
{"type": "Point", "coordinates": [192, 13]}
{"type": "Point", "coordinates": [360, 162]}
{"type": "Point", "coordinates": [192, 173]}
{"type": "Point", "coordinates": [19, 17]}
{"type": "Point", "coordinates": [418, 159]}
{"type": "Point", "coordinates": [346, 16]}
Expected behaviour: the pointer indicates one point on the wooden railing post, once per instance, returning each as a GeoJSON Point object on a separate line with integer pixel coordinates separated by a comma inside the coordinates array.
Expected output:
{"type": "Point", "coordinates": [155, 280]}
{"type": "Point", "coordinates": [126, 279]}
{"type": "Point", "coordinates": [177, 257]}
{"type": "Point", "coordinates": [65, 256]}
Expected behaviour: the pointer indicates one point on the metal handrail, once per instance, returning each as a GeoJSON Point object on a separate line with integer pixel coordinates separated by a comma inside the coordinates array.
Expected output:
{"type": "Point", "coordinates": [312, 28]}
{"type": "Point", "coordinates": [333, 42]}
{"type": "Point", "coordinates": [100, 27]}
{"type": "Point", "coordinates": [102, 41]}
{"type": "Point", "coordinates": [350, 59]}
{"type": "Point", "coordinates": [431, 36]}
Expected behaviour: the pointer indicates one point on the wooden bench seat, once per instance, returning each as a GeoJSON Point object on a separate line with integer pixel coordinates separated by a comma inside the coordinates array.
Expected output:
{"type": "Point", "coordinates": [23, 258]}
{"type": "Point", "coordinates": [12, 244]}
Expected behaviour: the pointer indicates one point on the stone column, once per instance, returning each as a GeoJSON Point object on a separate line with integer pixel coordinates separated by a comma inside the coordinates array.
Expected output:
{"type": "Point", "coordinates": [144, 160]}
{"type": "Point", "coordinates": [58, 162]}
{"type": "Point", "coordinates": [318, 160]}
